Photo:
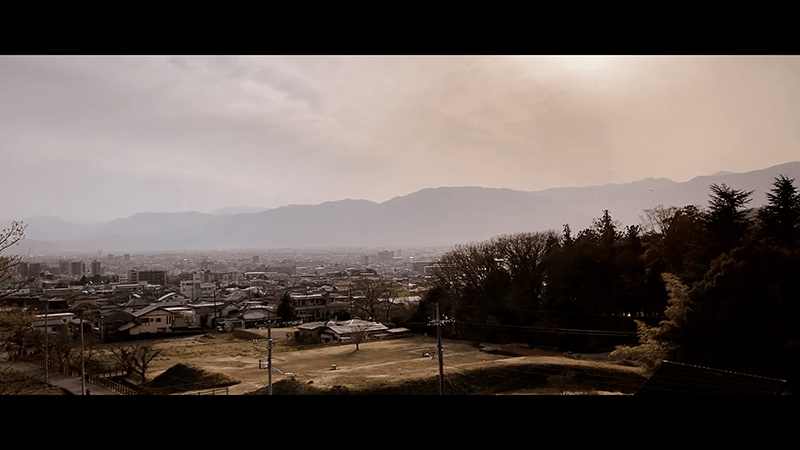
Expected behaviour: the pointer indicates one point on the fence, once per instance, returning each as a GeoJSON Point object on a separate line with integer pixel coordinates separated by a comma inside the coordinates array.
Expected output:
{"type": "Point", "coordinates": [111, 385]}
{"type": "Point", "coordinates": [103, 379]}
{"type": "Point", "coordinates": [211, 392]}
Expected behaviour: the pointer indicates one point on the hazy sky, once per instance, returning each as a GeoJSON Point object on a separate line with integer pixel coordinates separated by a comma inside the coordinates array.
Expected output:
{"type": "Point", "coordinates": [95, 138]}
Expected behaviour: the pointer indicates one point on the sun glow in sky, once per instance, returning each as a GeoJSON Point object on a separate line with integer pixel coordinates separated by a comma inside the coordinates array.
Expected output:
{"type": "Point", "coordinates": [91, 139]}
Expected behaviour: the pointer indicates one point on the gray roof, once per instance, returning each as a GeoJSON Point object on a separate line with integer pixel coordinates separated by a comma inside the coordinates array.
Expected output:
{"type": "Point", "coordinates": [344, 327]}
{"type": "Point", "coordinates": [155, 306]}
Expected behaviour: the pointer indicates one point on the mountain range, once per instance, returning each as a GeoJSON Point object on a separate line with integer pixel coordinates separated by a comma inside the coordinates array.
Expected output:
{"type": "Point", "coordinates": [430, 217]}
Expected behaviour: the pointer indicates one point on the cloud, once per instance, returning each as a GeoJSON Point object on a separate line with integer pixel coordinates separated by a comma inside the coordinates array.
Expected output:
{"type": "Point", "coordinates": [207, 132]}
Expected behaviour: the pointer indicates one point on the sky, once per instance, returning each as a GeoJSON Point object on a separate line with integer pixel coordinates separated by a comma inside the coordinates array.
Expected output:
{"type": "Point", "coordinates": [93, 138]}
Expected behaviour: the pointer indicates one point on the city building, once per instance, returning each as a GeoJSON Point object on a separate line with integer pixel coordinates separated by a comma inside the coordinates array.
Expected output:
{"type": "Point", "coordinates": [152, 276]}
{"type": "Point", "coordinates": [77, 268]}
{"type": "Point", "coordinates": [132, 276]}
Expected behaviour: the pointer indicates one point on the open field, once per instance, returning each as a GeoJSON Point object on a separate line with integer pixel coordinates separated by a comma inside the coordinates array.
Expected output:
{"type": "Point", "coordinates": [396, 366]}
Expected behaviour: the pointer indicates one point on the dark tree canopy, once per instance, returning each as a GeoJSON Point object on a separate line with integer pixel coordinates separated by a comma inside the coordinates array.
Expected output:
{"type": "Point", "coordinates": [286, 308]}
{"type": "Point", "coordinates": [780, 217]}
{"type": "Point", "coordinates": [727, 221]}
{"type": "Point", "coordinates": [502, 277]}
{"type": "Point", "coordinates": [712, 286]}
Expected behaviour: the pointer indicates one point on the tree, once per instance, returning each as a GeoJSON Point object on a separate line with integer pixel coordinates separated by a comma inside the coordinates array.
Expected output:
{"type": "Point", "coordinates": [673, 241]}
{"type": "Point", "coordinates": [369, 294]}
{"type": "Point", "coordinates": [286, 308]}
{"type": "Point", "coordinates": [606, 228]}
{"type": "Point", "coordinates": [584, 275]}
{"type": "Point", "coordinates": [135, 358]}
{"type": "Point", "coordinates": [503, 276]}
{"type": "Point", "coordinates": [16, 329]}
{"type": "Point", "coordinates": [9, 275]}
{"type": "Point", "coordinates": [65, 350]}
{"type": "Point", "coordinates": [426, 308]}
{"type": "Point", "coordinates": [359, 333]}
{"type": "Point", "coordinates": [744, 313]}
{"type": "Point", "coordinates": [656, 343]}
{"type": "Point", "coordinates": [727, 221]}
{"type": "Point", "coordinates": [780, 217]}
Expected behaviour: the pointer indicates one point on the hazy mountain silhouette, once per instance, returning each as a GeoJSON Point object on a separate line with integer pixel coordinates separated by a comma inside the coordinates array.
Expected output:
{"type": "Point", "coordinates": [244, 209]}
{"type": "Point", "coordinates": [436, 216]}
{"type": "Point", "coordinates": [626, 201]}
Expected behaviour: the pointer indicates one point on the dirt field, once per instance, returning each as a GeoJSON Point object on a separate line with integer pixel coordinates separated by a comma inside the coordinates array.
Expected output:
{"type": "Point", "coordinates": [397, 366]}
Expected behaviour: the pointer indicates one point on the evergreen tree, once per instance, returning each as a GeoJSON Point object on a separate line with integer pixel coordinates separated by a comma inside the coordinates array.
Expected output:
{"type": "Point", "coordinates": [727, 221]}
{"type": "Point", "coordinates": [780, 217]}
{"type": "Point", "coordinates": [286, 308]}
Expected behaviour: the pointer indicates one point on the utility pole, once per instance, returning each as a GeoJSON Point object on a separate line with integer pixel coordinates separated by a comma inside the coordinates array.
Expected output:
{"type": "Point", "coordinates": [439, 324]}
{"type": "Point", "coordinates": [269, 356]}
{"type": "Point", "coordinates": [46, 347]}
{"type": "Point", "coordinates": [439, 349]}
{"type": "Point", "coordinates": [83, 365]}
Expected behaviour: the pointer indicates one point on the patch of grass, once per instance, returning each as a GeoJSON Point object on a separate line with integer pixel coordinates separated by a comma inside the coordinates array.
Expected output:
{"type": "Point", "coordinates": [210, 348]}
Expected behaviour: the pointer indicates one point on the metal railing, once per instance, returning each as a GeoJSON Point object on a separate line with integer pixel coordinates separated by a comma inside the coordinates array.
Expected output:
{"type": "Point", "coordinates": [220, 391]}
{"type": "Point", "coordinates": [104, 379]}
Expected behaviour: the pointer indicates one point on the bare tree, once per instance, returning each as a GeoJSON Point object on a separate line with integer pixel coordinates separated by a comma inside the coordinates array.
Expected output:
{"type": "Point", "coordinates": [66, 351]}
{"type": "Point", "coordinates": [135, 358]}
{"type": "Point", "coordinates": [16, 329]}
{"type": "Point", "coordinates": [359, 333]}
{"type": "Point", "coordinates": [368, 294]}
{"type": "Point", "coordinates": [507, 271]}
{"type": "Point", "coordinates": [10, 278]}
{"type": "Point", "coordinates": [389, 299]}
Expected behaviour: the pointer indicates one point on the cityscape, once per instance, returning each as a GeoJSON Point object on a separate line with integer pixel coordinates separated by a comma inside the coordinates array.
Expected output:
{"type": "Point", "coordinates": [402, 224]}
{"type": "Point", "coordinates": [130, 281]}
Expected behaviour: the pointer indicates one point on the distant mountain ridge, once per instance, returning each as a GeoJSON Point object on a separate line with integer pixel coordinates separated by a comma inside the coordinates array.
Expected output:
{"type": "Point", "coordinates": [244, 209]}
{"type": "Point", "coordinates": [429, 217]}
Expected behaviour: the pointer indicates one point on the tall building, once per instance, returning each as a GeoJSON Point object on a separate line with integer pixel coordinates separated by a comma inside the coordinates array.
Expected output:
{"type": "Point", "coordinates": [96, 269]}
{"type": "Point", "coordinates": [63, 267]}
{"type": "Point", "coordinates": [77, 268]}
{"type": "Point", "coordinates": [34, 269]}
{"type": "Point", "coordinates": [23, 268]}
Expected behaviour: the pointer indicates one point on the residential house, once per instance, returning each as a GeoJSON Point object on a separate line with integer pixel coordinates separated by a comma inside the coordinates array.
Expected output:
{"type": "Point", "coordinates": [341, 331]}
{"type": "Point", "coordinates": [110, 319]}
{"type": "Point", "coordinates": [135, 303]}
{"type": "Point", "coordinates": [154, 318]}
{"type": "Point", "coordinates": [184, 317]}
{"type": "Point", "coordinates": [206, 312]}
{"type": "Point", "coordinates": [257, 315]}
{"type": "Point", "coordinates": [51, 321]}
{"type": "Point", "coordinates": [310, 307]}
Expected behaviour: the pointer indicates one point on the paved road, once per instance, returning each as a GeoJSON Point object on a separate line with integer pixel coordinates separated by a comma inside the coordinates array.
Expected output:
{"type": "Point", "coordinates": [71, 384]}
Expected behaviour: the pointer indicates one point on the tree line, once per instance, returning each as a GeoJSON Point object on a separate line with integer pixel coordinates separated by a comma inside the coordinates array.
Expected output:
{"type": "Point", "coordinates": [714, 286]}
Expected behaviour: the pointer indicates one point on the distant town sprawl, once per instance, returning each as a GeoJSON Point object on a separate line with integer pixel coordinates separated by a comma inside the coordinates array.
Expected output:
{"type": "Point", "coordinates": [124, 295]}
